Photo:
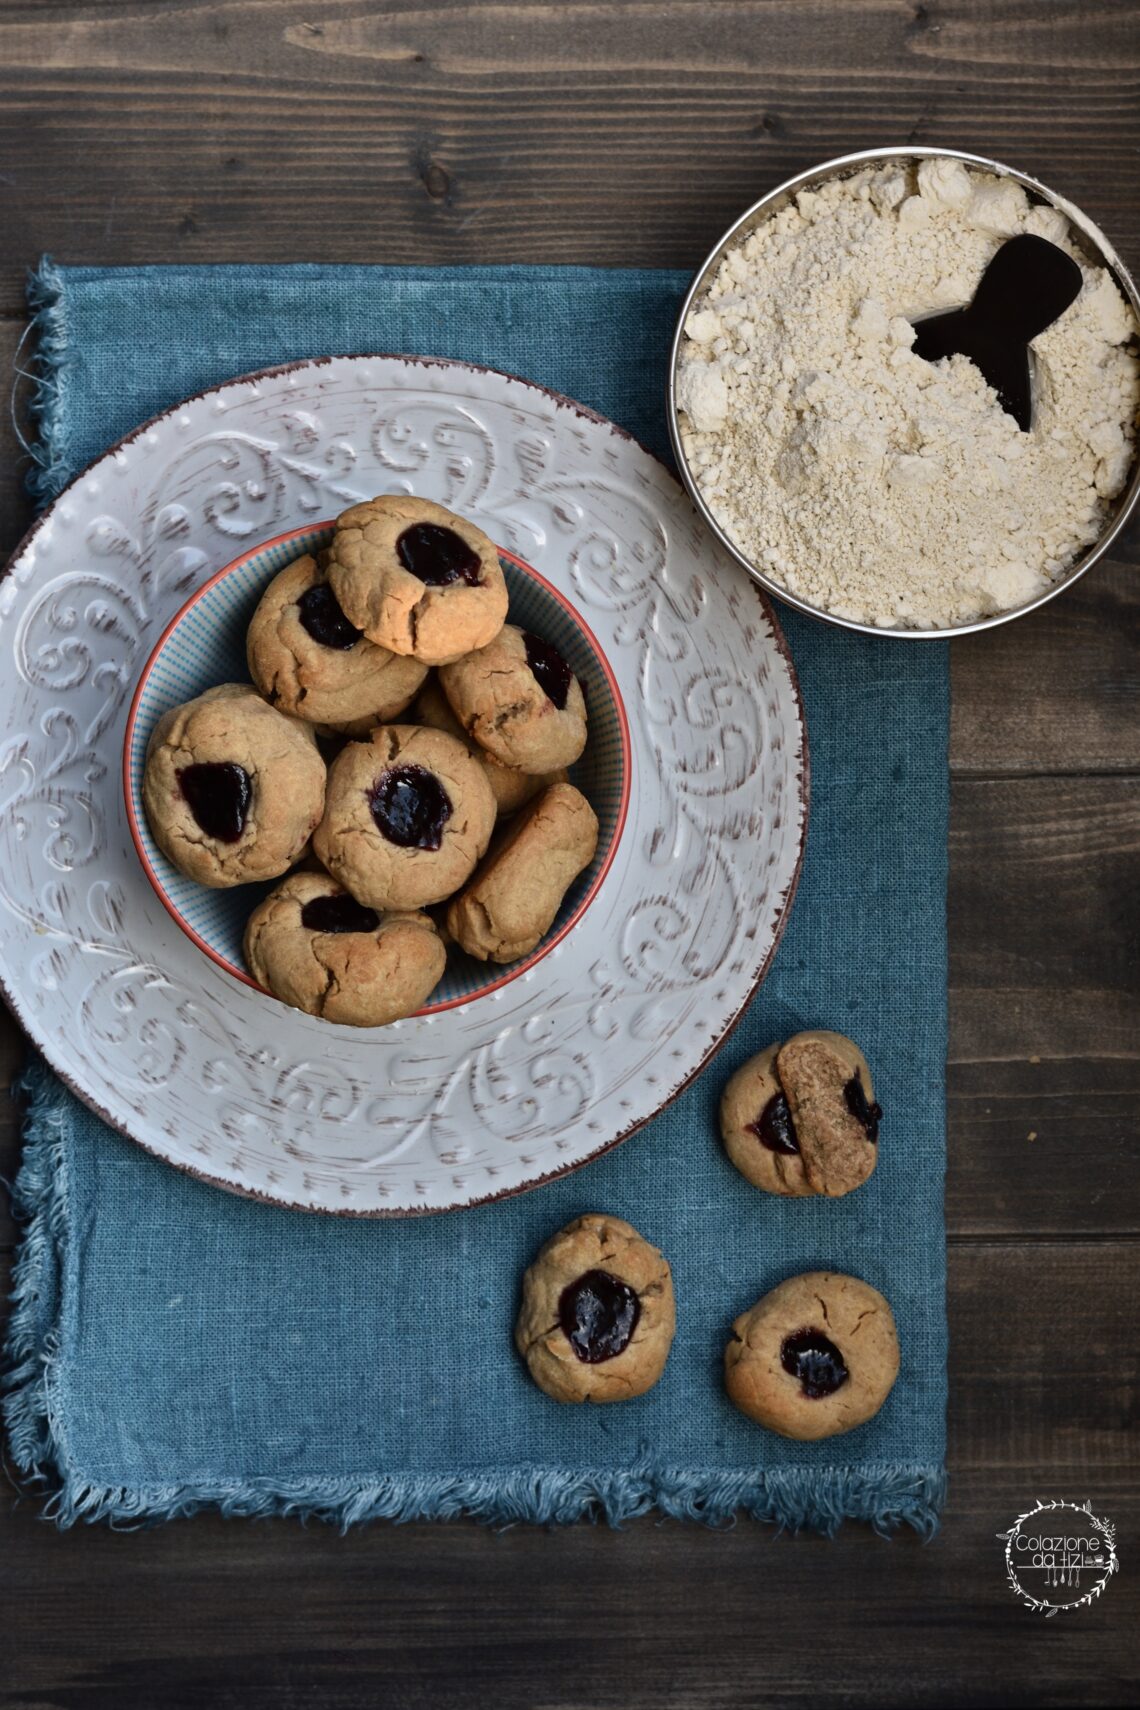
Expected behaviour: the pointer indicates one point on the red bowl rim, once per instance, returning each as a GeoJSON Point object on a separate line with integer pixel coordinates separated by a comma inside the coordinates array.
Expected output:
{"type": "Point", "coordinates": [237, 973]}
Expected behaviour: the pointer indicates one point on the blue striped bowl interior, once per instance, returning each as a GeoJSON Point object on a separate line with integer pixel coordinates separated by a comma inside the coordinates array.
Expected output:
{"type": "Point", "coordinates": [206, 645]}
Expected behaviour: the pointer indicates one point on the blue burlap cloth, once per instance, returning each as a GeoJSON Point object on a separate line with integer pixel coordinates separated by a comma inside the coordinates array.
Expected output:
{"type": "Point", "coordinates": [172, 1346]}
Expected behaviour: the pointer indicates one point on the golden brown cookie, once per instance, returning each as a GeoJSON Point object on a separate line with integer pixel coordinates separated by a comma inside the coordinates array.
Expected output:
{"type": "Point", "coordinates": [511, 790]}
{"type": "Point", "coordinates": [519, 699]}
{"type": "Point", "coordinates": [232, 788]}
{"type": "Point", "coordinates": [416, 578]}
{"type": "Point", "coordinates": [801, 1118]}
{"type": "Point", "coordinates": [407, 816]}
{"type": "Point", "coordinates": [317, 948]}
{"type": "Point", "coordinates": [597, 1316]}
{"type": "Point", "coordinates": [510, 904]}
{"type": "Point", "coordinates": [308, 660]}
{"type": "Point", "coordinates": [817, 1356]}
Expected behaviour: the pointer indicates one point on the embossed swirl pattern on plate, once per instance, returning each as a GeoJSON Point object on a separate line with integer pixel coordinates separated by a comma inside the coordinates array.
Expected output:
{"type": "Point", "coordinates": [548, 1071]}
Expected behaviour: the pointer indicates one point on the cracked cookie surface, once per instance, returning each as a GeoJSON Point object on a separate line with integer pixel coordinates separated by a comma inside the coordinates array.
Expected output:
{"type": "Point", "coordinates": [230, 726]}
{"type": "Point", "coordinates": [380, 972]}
{"type": "Point", "coordinates": [816, 1357]}
{"type": "Point", "coordinates": [800, 1118]}
{"type": "Point", "coordinates": [504, 706]}
{"type": "Point", "coordinates": [511, 790]}
{"type": "Point", "coordinates": [394, 606]}
{"type": "Point", "coordinates": [350, 842]}
{"type": "Point", "coordinates": [512, 901]}
{"type": "Point", "coordinates": [634, 1308]}
{"type": "Point", "coordinates": [309, 661]}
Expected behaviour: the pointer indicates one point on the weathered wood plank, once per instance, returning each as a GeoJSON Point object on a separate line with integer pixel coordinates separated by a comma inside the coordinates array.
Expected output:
{"type": "Point", "coordinates": [1057, 691]}
{"type": "Point", "coordinates": [1055, 1156]}
{"type": "Point", "coordinates": [1044, 1076]}
{"type": "Point", "coordinates": [558, 132]}
{"type": "Point", "coordinates": [205, 1614]}
{"type": "Point", "coordinates": [1043, 886]}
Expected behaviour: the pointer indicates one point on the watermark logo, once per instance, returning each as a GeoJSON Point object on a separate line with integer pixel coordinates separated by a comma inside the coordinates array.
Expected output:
{"type": "Point", "coordinates": [1059, 1556]}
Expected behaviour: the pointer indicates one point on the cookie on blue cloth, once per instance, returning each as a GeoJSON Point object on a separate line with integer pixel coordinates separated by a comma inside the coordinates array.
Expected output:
{"type": "Point", "coordinates": [815, 1357]}
{"type": "Point", "coordinates": [800, 1118]}
{"type": "Point", "coordinates": [598, 1315]}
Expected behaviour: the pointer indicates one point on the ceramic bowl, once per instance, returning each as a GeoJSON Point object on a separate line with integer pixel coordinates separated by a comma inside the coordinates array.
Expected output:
{"type": "Point", "coordinates": [1088, 235]}
{"type": "Point", "coordinates": [204, 644]}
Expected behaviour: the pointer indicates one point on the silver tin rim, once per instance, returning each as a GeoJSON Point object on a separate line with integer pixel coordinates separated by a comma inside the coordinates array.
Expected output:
{"type": "Point", "coordinates": [1102, 252]}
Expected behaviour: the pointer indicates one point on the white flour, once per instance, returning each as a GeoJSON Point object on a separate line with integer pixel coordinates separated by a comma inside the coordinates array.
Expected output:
{"type": "Point", "coordinates": [869, 482]}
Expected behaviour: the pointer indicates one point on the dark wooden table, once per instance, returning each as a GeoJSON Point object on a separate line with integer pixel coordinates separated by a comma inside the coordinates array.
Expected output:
{"type": "Point", "coordinates": [620, 131]}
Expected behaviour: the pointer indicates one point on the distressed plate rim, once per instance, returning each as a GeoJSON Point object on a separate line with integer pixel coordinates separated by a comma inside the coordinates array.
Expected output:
{"type": "Point", "coordinates": [800, 780]}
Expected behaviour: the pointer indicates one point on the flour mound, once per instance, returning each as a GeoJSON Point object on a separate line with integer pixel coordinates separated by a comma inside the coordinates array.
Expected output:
{"type": "Point", "coordinates": [869, 482]}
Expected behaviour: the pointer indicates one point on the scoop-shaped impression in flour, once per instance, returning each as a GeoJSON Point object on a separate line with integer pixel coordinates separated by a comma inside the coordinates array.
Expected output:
{"type": "Point", "coordinates": [1026, 287]}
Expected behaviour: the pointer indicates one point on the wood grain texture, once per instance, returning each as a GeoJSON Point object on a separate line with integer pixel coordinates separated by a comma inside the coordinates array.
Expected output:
{"type": "Point", "coordinates": [1056, 691]}
{"type": "Point", "coordinates": [566, 130]}
{"type": "Point", "coordinates": [206, 1614]}
{"type": "Point", "coordinates": [1044, 1077]}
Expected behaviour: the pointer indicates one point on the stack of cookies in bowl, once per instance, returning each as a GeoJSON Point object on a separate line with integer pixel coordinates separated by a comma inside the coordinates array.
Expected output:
{"type": "Point", "coordinates": [393, 778]}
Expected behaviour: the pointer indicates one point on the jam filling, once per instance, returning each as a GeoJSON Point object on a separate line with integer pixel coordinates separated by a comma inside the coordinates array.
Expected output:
{"type": "Point", "coordinates": [867, 1114]}
{"type": "Point", "coordinates": [813, 1358]}
{"type": "Point", "coordinates": [774, 1127]}
{"type": "Point", "coordinates": [338, 912]}
{"type": "Point", "coordinates": [218, 794]}
{"type": "Point", "coordinates": [411, 807]}
{"type": "Point", "coordinates": [438, 556]}
{"type": "Point", "coordinates": [548, 668]}
{"type": "Point", "coordinates": [322, 617]}
{"type": "Point", "coordinates": [1027, 285]}
{"type": "Point", "coordinates": [598, 1314]}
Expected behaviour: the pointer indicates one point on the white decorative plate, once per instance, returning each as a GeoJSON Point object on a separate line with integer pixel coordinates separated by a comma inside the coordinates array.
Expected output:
{"type": "Point", "coordinates": [530, 1080]}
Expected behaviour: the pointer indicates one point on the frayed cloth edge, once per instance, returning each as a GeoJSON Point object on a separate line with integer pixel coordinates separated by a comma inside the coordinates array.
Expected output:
{"type": "Point", "coordinates": [50, 469]}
